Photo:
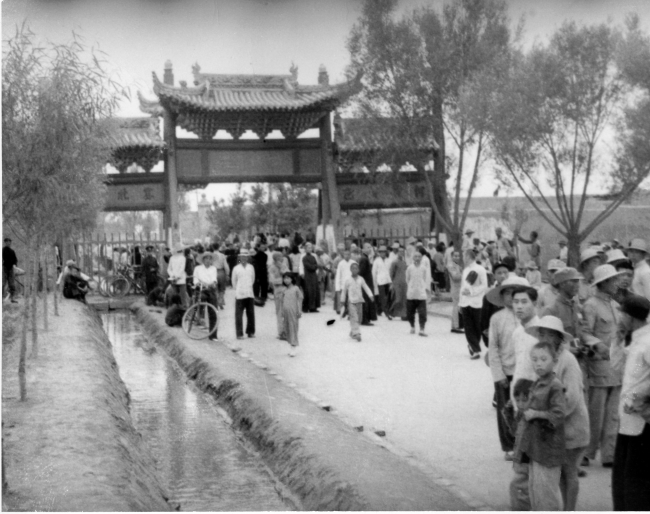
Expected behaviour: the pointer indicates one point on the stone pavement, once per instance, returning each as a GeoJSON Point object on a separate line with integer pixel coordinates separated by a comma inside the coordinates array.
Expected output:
{"type": "Point", "coordinates": [430, 399]}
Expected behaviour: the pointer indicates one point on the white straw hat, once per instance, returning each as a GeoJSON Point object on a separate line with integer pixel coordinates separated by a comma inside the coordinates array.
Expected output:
{"type": "Point", "coordinates": [605, 272]}
{"type": "Point", "coordinates": [552, 323]}
{"type": "Point", "coordinates": [494, 295]}
{"type": "Point", "coordinates": [639, 244]}
{"type": "Point", "coordinates": [616, 255]}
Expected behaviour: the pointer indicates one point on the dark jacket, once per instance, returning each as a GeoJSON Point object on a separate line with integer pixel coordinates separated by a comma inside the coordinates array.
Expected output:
{"type": "Point", "coordinates": [9, 259]}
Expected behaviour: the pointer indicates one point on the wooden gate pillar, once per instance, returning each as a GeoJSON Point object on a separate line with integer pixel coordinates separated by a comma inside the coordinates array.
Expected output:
{"type": "Point", "coordinates": [331, 206]}
{"type": "Point", "coordinates": [171, 185]}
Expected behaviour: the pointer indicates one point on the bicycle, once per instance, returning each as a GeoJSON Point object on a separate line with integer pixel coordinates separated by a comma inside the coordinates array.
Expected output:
{"type": "Point", "coordinates": [128, 280]}
{"type": "Point", "coordinates": [196, 320]}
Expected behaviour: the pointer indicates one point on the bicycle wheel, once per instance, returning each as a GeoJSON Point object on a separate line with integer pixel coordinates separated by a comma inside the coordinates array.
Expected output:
{"type": "Point", "coordinates": [119, 287]}
{"type": "Point", "coordinates": [102, 287]}
{"type": "Point", "coordinates": [196, 320]}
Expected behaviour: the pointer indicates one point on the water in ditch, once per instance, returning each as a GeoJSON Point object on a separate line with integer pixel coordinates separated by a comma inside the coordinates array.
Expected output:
{"type": "Point", "coordinates": [203, 463]}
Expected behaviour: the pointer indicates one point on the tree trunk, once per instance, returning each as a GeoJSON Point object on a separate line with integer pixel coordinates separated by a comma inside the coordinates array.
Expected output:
{"type": "Point", "coordinates": [56, 285]}
{"type": "Point", "coordinates": [573, 244]}
{"type": "Point", "coordinates": [439, 174]}
{"type": "Point", "coordinates": [22, 379]}
{"type": "Point", "coordinates": [34, 300]}
{"type": "Point", "coordinates": [44, 260]}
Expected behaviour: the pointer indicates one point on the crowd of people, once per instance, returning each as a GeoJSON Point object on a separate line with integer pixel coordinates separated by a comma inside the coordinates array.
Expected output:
{"type": "Point", "coordinates": [569, 355]}
{"type": "Point", "coordinates": [570, 361]}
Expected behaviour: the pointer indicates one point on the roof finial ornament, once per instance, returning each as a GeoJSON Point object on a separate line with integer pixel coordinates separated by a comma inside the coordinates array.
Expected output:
{"type": "Point", "coordinates": [196, 72]}
{"type": "Point", "coordinates": [323, 76]}
{"type": "Point", "coordinates": [294, 72]}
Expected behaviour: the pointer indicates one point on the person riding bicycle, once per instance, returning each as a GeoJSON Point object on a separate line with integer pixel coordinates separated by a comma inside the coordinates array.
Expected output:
{"type": "Point", "coordinates": [205, 277]}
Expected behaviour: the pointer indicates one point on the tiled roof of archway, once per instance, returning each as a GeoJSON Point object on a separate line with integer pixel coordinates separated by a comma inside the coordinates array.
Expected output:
{"type": "Point", "coordinates": [128, 132]}
{"type": "Point", "coordinates": [363, 135]}
{"type": "Point", "coordinates": [237, 93]}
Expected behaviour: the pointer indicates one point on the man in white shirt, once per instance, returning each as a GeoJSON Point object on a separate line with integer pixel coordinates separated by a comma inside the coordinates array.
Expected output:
{"type": "Point", "coordinates": [418, 290]}
{"type": "Point", "coordinates": [243, 278]}
{"type": "Point", "coordinates": [473, 286]}
{"type": "Point", "coordinates": [177, 275]}
{"type": "Point", "coordinates": [342, 275]}
{"type": "Point", "coordinates": [205, 277]}
{"type": "Point", "coordinates": [638, 253]}
{"type": "Point", "coordinates": [524, 299]}
{"type": "Point", "coordinates": [382, 281]}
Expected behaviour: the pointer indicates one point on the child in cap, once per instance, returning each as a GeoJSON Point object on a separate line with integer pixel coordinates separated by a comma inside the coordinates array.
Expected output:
{"type": "Point", "coordinates": [542, 440]}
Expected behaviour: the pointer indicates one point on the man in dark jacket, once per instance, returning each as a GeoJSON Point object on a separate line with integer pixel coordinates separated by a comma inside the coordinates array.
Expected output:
{"type": "Point", "coordinates": [150, 268]}
{"type": "Point", "coordinates": [9, 260]}
{"type": "Point", "coordinates": [261, 284]}
{"type": "Point", "coordinates": [365, 271]}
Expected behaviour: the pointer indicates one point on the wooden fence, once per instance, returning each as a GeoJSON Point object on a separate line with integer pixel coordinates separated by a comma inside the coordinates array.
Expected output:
{"type": "Point", "coordinates": [100, 254]}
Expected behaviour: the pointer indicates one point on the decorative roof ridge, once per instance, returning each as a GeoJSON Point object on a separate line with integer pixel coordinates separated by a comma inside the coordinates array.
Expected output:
{"type": "Point", "coordinates": [151, 107]}
{"type": "Point", "coordinates": [160, 87]}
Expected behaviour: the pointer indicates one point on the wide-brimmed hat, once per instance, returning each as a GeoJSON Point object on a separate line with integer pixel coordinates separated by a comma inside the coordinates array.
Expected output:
{"type": "Point", "coordinates": [552, 323]}
{"type": "Point", "coordinates": [395, 246]}
{"type": "Point", "coordinates": [206, 254]}
{"type": "Point", "coordinates": [565, 274]}
{"type": "Point", "coordinates": [469, 231]}
{"type": "Point", "coordinates": [531, 265]}
{"type": "Point", "coordinates": [70, 262]}
{"type": "Point", "coordinates": [494, 295]}
{"type": "Point", "coordinates": [555, 264]}
{"type": "Point", "coordinates": [638, 244]}
{"type": "Point", "coordinates": [179, 247]}
{"type": "Point", "coordinates": [382, 248]}
{"type": "Point", "coordinates": [605, 272]}
{"type": "Point", "coordinates": [616, 255]}
{"type": "Point", "coordinates": [588, 254]}
{"type": "Point", "coordinates": [636, 306]}
{"type": "Point", "coordinates": [244, 253]}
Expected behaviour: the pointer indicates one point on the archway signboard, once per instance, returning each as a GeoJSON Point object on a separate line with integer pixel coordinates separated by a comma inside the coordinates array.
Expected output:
{"type": "Point", "coordinates": [260, 104]}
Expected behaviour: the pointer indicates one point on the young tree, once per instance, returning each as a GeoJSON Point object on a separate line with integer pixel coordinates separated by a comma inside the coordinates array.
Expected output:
{"type": "Point", "coordinates": [53, 139]}
{"type": "Point", "coordinates": [229, 217]}
{"type": "Point", "coordinates": [294, 208]}
{"type": "Point", "coordinates": [435, 72]}
{"type": "Point", "coordinates": [553, 111]}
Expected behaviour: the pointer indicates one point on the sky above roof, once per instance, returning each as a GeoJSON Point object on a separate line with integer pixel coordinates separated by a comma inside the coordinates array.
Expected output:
{"type": "Point", "coordinates": [249, 36]}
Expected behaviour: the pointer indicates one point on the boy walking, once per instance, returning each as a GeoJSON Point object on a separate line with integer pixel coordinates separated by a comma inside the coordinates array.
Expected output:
{"type": "Point", "coordinates": [352, 292]}
{"type": "Point", "coordinates": [418, 289]}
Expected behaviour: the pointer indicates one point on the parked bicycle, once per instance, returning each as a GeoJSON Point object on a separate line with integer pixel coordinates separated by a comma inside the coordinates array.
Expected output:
{"type": "Point", "coordinates": [127, 280]}
{"type": "Point", "coordinates": [201, 319]}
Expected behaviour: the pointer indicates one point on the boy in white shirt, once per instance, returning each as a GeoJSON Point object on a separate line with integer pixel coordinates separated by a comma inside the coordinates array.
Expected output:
{"type": "Point", "coordinates": [352, 292]}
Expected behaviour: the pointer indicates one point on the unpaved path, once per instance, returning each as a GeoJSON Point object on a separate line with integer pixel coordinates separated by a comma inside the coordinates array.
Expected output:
{"type": "Point", "coordinates": [71, 446]}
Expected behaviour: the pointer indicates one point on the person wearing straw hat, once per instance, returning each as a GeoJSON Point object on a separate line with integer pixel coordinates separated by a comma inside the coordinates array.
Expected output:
{"type": "Point", "coordinates": [205, 275]}
{"type": "Point", "coordinates": [600, 333]}
{"type": "Point", "coordinates": [501, 351]}
{"type": "Point", "coordinates": [501, 272]}
{"type": "Point", "coordinates": [631, 473]}
{"type": "Point", "coordinates": [589, 261]}
{"type": "Point", "coordinates": [74, 287]}
{"type": "Point", "coordinates": [176, 269]}
{"type": "Point", "coordinates": [550, 329]}
{"type": "Point", "coordinates": [637, 251]}
{"type": "Point", "coordinates": [548, 292]}
{"type": "Point", "coordinates": [243, 278]}
{"type": "Point", "coordinates": [533, 275]}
